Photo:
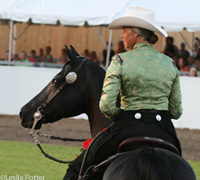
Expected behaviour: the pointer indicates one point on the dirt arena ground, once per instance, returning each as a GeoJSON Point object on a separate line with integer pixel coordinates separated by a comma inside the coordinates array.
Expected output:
{"type": "Point", "coordinates": [11, 129]}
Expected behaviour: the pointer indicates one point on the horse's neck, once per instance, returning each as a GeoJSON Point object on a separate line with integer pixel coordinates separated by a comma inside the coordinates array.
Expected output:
{"type": "Point", "coordinates": [96, 119]}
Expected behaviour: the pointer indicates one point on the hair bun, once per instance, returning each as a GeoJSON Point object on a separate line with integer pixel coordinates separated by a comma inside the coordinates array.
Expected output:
{"type": "Point", "coordinates": [153, 39]}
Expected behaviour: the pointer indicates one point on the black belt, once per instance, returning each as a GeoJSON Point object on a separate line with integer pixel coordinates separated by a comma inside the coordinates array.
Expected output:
{"type": "Point", "coordinates": [146, 114]}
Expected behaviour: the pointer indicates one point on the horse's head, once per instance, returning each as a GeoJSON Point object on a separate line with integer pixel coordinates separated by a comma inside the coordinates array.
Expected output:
{"type": "Point", "coordinates": [68, 94]}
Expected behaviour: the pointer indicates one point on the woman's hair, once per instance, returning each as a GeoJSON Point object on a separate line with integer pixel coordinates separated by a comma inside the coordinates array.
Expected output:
{"type": "Point", "coordinates": [146, 34]}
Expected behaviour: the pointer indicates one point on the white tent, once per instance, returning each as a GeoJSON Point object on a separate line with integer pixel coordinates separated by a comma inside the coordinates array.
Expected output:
{"type": "Point", "coordinates": [8, 6]}
{"type": "Point", "coordinates": [171, 15]}
{"type": "Point", "coordinates": [67, 12]}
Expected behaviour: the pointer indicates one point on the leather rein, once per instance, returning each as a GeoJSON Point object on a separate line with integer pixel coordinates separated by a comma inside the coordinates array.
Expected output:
{"type": "Point", "coordinates": [39, 114]}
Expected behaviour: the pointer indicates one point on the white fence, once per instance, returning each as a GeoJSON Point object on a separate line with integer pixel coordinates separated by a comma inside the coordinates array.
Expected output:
{"type": "Point", "coordinates": [18, 85]}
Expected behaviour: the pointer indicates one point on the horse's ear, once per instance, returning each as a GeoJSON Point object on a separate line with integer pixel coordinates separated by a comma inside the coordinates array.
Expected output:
{"type": "Point", "coordinates": [74, 51]}
{"type": "Point", "coordinates": [71, 56]}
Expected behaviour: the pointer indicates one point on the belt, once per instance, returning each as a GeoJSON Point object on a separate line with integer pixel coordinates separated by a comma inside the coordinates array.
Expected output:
{"type": "Point", "coordinates": [146, 113]}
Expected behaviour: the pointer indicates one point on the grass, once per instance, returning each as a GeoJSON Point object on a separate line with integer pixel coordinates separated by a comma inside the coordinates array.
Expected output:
{"type": "Point", "coordinates": [196, 167]}
{"type": "Point", "coordinates": [21, 159]}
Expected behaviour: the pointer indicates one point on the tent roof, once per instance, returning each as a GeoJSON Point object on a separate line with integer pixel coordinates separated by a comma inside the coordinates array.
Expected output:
{"type": "Point", "coordinates": [68, 12]}
{"type": "Point", "coordinates": [174, 15]}
{"type": "Point", "coordinates": [171, 15]}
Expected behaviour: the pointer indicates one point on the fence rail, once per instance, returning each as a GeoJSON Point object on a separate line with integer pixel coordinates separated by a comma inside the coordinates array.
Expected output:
{"type": "Point", "coordinates": [31, 64]}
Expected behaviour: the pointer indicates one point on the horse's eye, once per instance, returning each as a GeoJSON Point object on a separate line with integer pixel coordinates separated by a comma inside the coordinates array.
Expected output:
{"type": "Point", "coordinates": [54, 81]}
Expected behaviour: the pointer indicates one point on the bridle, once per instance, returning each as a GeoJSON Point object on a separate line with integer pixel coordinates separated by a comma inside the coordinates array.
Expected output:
{"type": "Point", "coordinates": [70, 78]}
{"type": "Point", "coordinates": [40, 116]}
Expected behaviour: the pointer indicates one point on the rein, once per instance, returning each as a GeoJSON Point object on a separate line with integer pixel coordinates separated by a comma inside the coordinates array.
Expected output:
{"type": "Point", "coordinates": [39, 115]}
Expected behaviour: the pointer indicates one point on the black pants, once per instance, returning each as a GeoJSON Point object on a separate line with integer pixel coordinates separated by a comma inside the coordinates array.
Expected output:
{"type": "Point", "coordinates": [107, 142]}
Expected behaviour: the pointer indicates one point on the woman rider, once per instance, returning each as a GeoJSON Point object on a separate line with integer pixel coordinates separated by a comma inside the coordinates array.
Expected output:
{"type": "Point", "coordinates": [149, 87]}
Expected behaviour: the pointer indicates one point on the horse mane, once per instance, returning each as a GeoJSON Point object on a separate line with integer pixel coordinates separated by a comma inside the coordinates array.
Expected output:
{"type": "Point", "coordinates": [149, 165]}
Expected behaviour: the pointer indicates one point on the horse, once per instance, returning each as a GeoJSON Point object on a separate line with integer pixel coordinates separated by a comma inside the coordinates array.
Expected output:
{"type": "Point", "coordinates": [149, 164]}
{"type": "Point", "coordinates": [77, 89]}
{"type": "Point", "coordinates": [82, 96]}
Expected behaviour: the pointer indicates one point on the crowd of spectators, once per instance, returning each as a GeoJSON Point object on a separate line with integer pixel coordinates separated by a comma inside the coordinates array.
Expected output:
{"type": "Point", "coordinates": [93, 55]}
{"type": "Point", "coordinates": [39, 57]}
{"type": "Point", "coordinates": [187, 62]}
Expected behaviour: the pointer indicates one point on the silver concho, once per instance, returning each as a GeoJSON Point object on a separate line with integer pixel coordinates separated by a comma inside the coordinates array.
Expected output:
{"type": "Point", "coordinates": [37, 115]}
{"type": "Point", "coordinates": [71, 77]}
{"type": "Point", "coordinates": [158, 117]}
{"type": "Point", "coordinates": [138, 116]}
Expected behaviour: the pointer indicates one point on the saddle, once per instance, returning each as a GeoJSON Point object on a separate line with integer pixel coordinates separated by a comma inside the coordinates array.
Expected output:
{"type": "Point", "coordinates": [140, 142]}
{"type": "Point", "coordinates": [134, 143]}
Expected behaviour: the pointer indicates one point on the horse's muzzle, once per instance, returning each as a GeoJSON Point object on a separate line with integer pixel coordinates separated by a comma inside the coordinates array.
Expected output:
{"type": "Point", "coordinates": [27, 120]}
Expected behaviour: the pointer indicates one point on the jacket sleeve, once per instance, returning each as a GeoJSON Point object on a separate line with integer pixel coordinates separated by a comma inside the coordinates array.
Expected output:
{"type": "Point", "coordinates": [111, 89]}
{"type": "Point", "coordinates": [175, 99]}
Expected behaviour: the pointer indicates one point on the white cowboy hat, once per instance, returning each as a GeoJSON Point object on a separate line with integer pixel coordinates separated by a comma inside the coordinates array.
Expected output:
{"type": "Point", "coordinates": [138, 17]}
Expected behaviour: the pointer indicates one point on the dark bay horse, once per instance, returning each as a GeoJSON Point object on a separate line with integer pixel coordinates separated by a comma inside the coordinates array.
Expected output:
{"type": "Point", "coordinates": [81, 94]}
{"type": "Point", "coordinates": [149, 164]}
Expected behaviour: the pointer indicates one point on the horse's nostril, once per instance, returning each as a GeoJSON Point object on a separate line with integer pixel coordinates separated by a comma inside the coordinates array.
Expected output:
{"type": "Point", "coordinates": [21, 115]}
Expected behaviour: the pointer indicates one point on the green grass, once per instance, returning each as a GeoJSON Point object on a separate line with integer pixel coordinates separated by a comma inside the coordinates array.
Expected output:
{"type": "Point", "coordinates": [196, 167]}
{"type": "Point", "coordinates": [22, 159]}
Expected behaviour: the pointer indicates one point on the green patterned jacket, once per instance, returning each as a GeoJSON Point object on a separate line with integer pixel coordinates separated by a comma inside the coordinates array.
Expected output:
{"type": "Point", "coordinates": [145, 79]}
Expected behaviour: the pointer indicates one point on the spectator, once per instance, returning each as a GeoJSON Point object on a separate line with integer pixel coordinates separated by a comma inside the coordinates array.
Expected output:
{"type": "Point", "coordinates": [121, 47]}
{"type": "Point", "coordinates": [93, 57]}
{"type": "Point", "coordinates": [86, 53]}
{"type": "Point", "coordinates": [176, 58]}
{"type": "Point", "coordinates": [191, 63]}
{"type": "Point", "coordinates": [6, 56]}
{"type": "Point", "coordinates": [40, 54]}
{"type": "Point", "coordinates": [32, 57]}
{"type": "Point", "coordinates": [63, 59]}
{"type": "Point", "coordinates": [181, 65]}
{"type": "Point", "coordinates": [15, 57]}
{"type": "Point", "coordinates": [198, 53]}
{"type": "Point", "coordinates": [64, 52]}
{"type": "Point", "coordinates": [196, 46]}
{"type": "Point", "coordinates": [193, 72]}
{"type": "Point", "coordinates": [170, 49]}
{"type": "Point", "coordinates": [197, 64]}
{"type": "Point", "coordinates": [23, 57]}
{"type": "Point", "coordinates": [183, 52]}
{"type": "Point", "coordinates": [47, 57]}
{"type": "Point", "coordinates": [112, 53]}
